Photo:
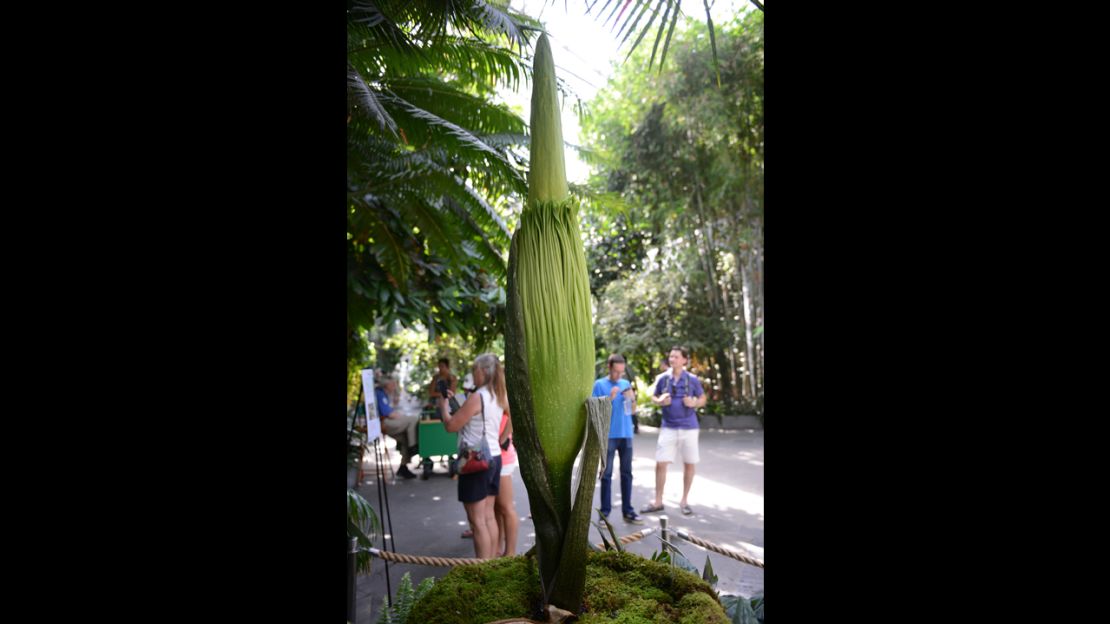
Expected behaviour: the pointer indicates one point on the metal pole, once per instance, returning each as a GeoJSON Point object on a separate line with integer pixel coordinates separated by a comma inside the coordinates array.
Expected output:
{"type": "Point", "coordinates": [385, 491]}
{"type": "Point", "coordinates": [663, 533]}
{"type": "Point", "coordinates": [382, 515]}
{"type": "Point", "coordinates": [352, 571]}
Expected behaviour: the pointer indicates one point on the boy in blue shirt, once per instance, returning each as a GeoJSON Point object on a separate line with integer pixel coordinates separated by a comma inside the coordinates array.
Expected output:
{"type": "Point", "coordinates": [620, 438]}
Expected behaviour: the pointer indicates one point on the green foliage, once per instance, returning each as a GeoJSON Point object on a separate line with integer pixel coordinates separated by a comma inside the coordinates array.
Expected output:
{"type": "Point", "coordinates": [616, 543]}
{"type": "Point", "coordinates": [708, 575]}
{"type": "Point", "coordinates": [620, 588]}
{"type": "Point", "coordinates": [680, 170]}
{"type": "Point", "coordinates": [424, 355]}
{"type": "Point", "coordinates": [431, 162]}
{"type": "Point", "coordinates": [498, 589]}
{"type": "Point", "coordinates": [741, 610]}
{"type": "Point", "coordinates": [406, 597]}
{"type": "Point", "coordinates": [362, 523]}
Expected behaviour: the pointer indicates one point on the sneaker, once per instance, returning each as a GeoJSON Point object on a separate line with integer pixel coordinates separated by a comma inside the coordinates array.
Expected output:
{"type": "Point", "coordinates": [406, 473]}
{"type": "Point", "coordinates": [633, 519]}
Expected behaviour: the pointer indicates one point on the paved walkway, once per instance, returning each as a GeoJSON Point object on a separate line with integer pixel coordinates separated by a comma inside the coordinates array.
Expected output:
{"type": "Point", "coordinates": [727, 498]}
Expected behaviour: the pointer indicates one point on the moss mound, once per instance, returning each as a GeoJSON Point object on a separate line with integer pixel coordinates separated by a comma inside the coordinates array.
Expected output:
{"type": "Point", "coordinates": [621, 588]}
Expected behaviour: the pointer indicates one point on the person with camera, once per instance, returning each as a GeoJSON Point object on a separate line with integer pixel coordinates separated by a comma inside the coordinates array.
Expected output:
{"type": "Point", "coordinates": [620, 437]}
{"type": "Point", "coordinates": [679, 394]}
{"type": "Point", "coordinates": [443, 377]}
{"type": "Point", "coordinates": [478, 422]}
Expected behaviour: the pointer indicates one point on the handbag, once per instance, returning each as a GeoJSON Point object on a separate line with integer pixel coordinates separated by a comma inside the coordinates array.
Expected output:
{"type": "Point", "coordinates": [475, 459]}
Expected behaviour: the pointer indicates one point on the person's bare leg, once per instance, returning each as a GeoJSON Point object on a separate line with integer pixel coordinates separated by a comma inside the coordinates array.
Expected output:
{"type": "Point", "coordinates": [475, 514]}
{"type": "Point", "coordinates": [507, 522]}
{"type": "Point", "coordinates": [687, 480]}
{"type": "Point", "coordinates": [500, 530]}
{"type": "Point", "coordinates": [660, 481]}
{"type": "Point", "coordinates": [491, 526]}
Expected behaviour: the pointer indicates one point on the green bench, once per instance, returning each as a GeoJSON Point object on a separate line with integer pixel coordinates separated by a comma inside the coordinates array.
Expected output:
{"type": "Point", "coordinates": [435, 441]}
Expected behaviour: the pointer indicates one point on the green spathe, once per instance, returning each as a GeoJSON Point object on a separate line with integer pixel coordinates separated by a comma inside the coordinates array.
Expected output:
{"type": "Point", "coordinates": [549, 351]}
{"type": "Point", "coordinates": [547, 176]}
{"type": "Point", "coordinates": [550, 272]}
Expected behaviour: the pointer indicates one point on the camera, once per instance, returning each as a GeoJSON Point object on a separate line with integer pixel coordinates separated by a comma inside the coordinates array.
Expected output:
{"type": "Point", "coordinates": [441, 386]}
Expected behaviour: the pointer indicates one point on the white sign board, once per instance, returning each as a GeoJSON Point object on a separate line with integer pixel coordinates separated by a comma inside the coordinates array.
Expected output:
{"type": "Point", "coordinates": [373, 423]}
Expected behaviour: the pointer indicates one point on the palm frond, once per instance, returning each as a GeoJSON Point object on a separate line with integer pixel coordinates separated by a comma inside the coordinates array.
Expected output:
{"type": "Point", "coordinates": [643, 6]}
{"type": "Point", "coordinates": [400, 174]}
{"type": "Point", "coordinates": [713, 42]}
{"type": "Point", "coordinates": [470, 60]}
{"type": "Point", "coordinates": [368, 99]}
{"type": "Point", "coordinates": [435, 224]}
{"type": "Point", "coordinates": [369, 23]}
{"type": "Point", "coordinates": [667, 44]}
{"type": "Point", "coordinates": [647, 28]}
{"type": "Point", "coordinates": [476, 114]}
{"type": "Point", "coordinates": [619, 15]}
{"type": "Point", "coordinates": [491, 258]}
{"type": "Point", "coordinates": [498, 20]}
{"type": "Point", "coordinates": [663, 24]}
{"type": "Point", "coordinates": [429, 124]}
{"type": "Point", "coordinates": [425, 129]}
{"type": "Point", "coordinates": [505, 139]}
{"type": "Point", "coordinates": [388, 248]}
{"type": "Point", "coordinates": [475, 204]}
{"type": "Point", "coordinates": [615, 7]}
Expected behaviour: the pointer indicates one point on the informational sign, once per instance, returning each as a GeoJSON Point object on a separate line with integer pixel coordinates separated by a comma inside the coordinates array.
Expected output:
{"type": "Point", "coordinates": [373, 423]}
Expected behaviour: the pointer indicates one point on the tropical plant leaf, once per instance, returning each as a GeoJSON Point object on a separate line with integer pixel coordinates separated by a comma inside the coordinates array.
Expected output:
{"type": "Point", "coordinates": [612, 532]}
{"type": "Point", "coordinates": [662, 26]}
{"type": "Point", "coordinates": [533, 463]}
{"type": "Point", "coordinates": [368, 100]}
{"type": "Point", "coordinates": [712, 42]}
{"type": "Point", "coordinates": [604, 540]}
{"type": "Point", "coordinates": [474, 113]}
{"type": "Point", "coordinates": [667, 45]}
{"type": "Point", "coordinates": [569, 587]}
{"type": "Point", "coordinates": [738, 610]}
{"type": "Point", "coordinates": [757, 606]}
{"type": "Point", "coordinates": [643, 6]}
{"type": "Point", "coordinates": [362, 517]}
{"type": "Point", "coordinates": [498, 20]}
{"type": "Point", "coordinates": [707, 573]}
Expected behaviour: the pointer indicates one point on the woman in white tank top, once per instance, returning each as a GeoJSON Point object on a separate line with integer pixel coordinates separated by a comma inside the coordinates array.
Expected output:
{"type": "Point", "coordinates": [481, 415]}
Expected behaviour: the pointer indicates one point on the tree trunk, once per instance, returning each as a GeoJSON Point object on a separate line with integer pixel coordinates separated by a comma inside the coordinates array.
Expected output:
{"type": "Point", "coordinates": [759, 309]}
{"type": "Point", "coordinates": [749, 368]}
{"type": "Point", "coordinates": [720, 289]}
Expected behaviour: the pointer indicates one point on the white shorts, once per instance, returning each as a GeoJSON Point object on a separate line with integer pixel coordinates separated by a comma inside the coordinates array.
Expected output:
{"type": "Point", "coordinates": [681, 441]}
{"type": "Point", "coordinates": [507, 470]}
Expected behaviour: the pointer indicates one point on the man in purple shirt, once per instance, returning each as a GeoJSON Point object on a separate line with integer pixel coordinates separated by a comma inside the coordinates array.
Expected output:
{"type": "Point", "coordinates": [679, 394]}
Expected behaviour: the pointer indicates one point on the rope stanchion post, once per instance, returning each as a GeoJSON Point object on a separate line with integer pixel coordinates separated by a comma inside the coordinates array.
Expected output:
{"type": "Point", "coordinates": [352, 564]}
{"type": "Point", "coordinates": [663, 533]}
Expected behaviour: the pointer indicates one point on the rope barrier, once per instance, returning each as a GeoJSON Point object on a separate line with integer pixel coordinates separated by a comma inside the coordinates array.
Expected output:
{"type": "Point", "coordinates": [684, 534]}
{"type": "Point", "coordinates": [634, 537]}
{"type": "Point", "coordinates": [627, 539]}
{"type": "Point", "coordinates": [443, 562]}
